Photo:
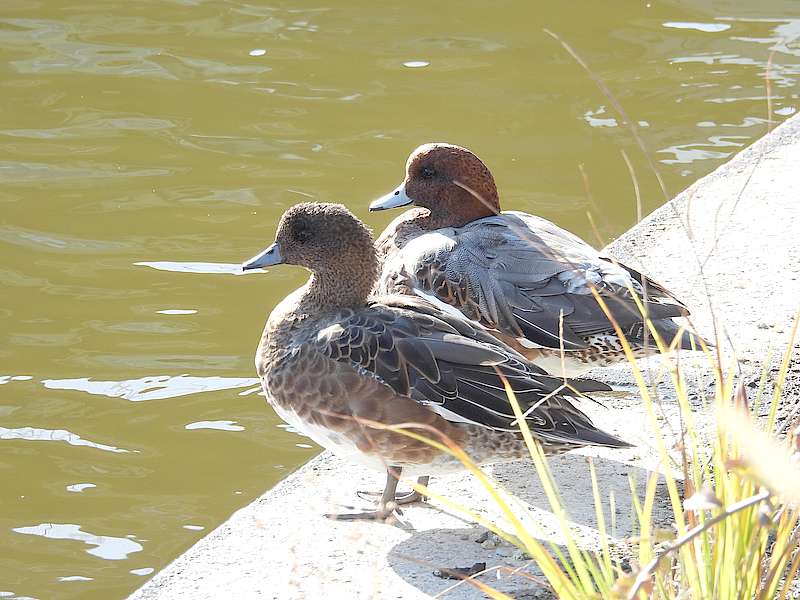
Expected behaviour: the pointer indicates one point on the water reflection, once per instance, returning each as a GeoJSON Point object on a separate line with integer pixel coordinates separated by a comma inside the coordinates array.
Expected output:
{"type": "Point", "coordinates": [596, 121]}
{"type": "Point", "coordinates": [221, 425]}
{"type": "Point", "coordinates": [60, 52]}
{"type": "Point", "coordinates": [36, 434]}
{"type": "Point", "coordinates": [6, 378]}
{"type": "Point", "coordinates": [705, 27]}
{"type": "Point", "coordinates": [13, 596]}
{"type": "Point", "coordinates": [151, 388]}
{"type": "Point", "coordinates": [79, 487]}
{"type": "Point", "coordinates": [786, 33]}
{"type": "Point", "coordinates": [194, 267]}
{"type": "Point", "coordinates": [688, 153]}
{"type": "Point", "coordinates": [106, 546]}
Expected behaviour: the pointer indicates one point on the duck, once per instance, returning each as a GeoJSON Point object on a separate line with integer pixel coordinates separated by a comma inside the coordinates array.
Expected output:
{"type": "Point", "coordinates": [524, 278]}
{"type": "Point", "coordinates": [344, 366]}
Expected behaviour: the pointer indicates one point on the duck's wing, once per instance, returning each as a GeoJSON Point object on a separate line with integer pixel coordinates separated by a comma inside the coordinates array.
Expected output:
{"type": "Point", "coordinates": [454, 368]}
{"type": "Point", "coordinates": [651, 289]}
{"type": "Point", "coordinates": [528, 278]}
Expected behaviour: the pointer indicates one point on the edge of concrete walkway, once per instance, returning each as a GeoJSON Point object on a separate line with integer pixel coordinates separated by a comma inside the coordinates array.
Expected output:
{"type": "Point", "coordinates": [741, 221]}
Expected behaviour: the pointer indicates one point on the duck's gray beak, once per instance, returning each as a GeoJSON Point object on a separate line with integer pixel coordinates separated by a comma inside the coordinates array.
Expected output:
{"type": "Point", "coordinates": [395, 199]}
{"type": "Point", "coordinates": [269, 257]}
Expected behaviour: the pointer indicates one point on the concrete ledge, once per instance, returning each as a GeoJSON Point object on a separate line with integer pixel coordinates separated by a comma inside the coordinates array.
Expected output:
{"type": "Point", "coordinates": [742, 222]}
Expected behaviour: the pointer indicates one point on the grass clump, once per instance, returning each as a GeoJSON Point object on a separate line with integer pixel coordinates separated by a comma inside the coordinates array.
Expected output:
{"type": "Point", "coordinates": [734, 499]}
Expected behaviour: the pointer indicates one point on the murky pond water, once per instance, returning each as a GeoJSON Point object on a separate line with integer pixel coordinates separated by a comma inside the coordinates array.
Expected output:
{"type": "Point", "coordinates": [146, 147]}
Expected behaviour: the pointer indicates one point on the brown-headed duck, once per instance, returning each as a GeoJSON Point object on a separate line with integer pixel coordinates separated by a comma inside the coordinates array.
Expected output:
{"type": "Point", "coordinates": [334, 361]}
{"type": "Point", "coordinates": [519, 275]}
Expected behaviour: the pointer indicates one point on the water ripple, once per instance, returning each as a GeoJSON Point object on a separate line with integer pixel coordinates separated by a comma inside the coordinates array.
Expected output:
{"type": "Point", "coordinates": [26, 172]}
{"type": "Point", "coordinates": [230, 145]}
{"type": "Point", "coordinates": [93, 125]}
{"type": "Point", "coordinates": [57, 52]}
{"type": "Point", "coordinates": [59, 242]}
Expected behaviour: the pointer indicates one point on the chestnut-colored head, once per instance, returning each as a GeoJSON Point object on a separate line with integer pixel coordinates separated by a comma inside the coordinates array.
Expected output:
{"type": "Point", "coordinates": [450, 181]}
{"type": "Point", "coordinates": [331, 242]}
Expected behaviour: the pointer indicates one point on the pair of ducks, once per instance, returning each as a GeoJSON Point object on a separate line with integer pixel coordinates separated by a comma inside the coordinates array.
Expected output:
{"type": "Point", "coordinates": [423, 327]}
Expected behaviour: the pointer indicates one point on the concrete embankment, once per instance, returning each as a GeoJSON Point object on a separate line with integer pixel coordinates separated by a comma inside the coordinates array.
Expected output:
{"type": "Point", "coordinates": [729, 246]}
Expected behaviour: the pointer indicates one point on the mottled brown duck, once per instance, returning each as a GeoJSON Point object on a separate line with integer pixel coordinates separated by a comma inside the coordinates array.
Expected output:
{"type": "Point", "coordinates": [334, 362]}
{"type": "Point", "coordinates": [519, 275]}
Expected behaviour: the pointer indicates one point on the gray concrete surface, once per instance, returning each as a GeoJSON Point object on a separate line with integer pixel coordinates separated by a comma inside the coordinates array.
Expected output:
{"type": "Point", "coordinates": [729, 246]}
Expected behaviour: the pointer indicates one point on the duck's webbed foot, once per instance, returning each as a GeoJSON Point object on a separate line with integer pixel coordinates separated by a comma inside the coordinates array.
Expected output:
{"type": "Point", "coordinates": [382, 514]}
{"type": "Point", "coordinates": [388, 503]}
{"type": "Point", "coordinates": [401, 499]}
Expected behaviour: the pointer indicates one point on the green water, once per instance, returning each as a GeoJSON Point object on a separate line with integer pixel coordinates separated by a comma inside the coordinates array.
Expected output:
{"type": "Point", "coordinates": [145, 147]}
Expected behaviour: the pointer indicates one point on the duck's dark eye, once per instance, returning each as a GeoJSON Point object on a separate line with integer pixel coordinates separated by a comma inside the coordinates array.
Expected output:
{"type": "Point", "coordinates": [427, 172]}
{"type": "Point", "coordinates": [302, 234]}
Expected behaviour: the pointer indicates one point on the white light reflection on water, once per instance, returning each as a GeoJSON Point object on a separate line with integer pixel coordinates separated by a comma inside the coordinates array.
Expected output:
{"type": "Point", "coordinates": [704, 27]}
{"type": "Point", "coordinates": [36, 434]}
{"type": "Point", "coordinates": [221, 425]}
{"type": "Point", "coordinates": [6, 378]}
{"type": "Point", "coordinates": [151, 388]}
{"type": "Point", "coordinates": [79, 487]}
{"type": "Point", "coordinates": [688, 153]}
{"type": "Point", "coordinates": [106, 546]}
{"type": "Point", "coordinates": [194, 267]}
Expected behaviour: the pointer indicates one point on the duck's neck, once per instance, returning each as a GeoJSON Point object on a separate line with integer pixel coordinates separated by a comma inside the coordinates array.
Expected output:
{"type": "Point", "coordinates": [424, 219]}
{"type": "Point", "coordinates": [433, 221]}
{"type": "Point", "coordinates": [345, 284]}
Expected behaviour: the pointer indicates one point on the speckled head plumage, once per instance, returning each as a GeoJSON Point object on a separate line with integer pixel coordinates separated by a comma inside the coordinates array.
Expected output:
{"type": "Point", "coordinates": [332, 243]}
{"type": "Point", "coordinates": [448, 180]}
{"type": "Point", "coordinates": [316, 235]}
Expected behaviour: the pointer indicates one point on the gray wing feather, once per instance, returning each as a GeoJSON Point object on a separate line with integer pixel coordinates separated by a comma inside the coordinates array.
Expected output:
{"type": "Point", "coordinates": [443, 360]}
{"type": "Point", "coordinates": [528, 278]}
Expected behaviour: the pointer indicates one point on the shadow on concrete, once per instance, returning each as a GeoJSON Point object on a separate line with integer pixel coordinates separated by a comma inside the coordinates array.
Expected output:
{"type": "Point", "coordinates": [415, 558]}
{"type": "Point", "coordinates": [572, 476]}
